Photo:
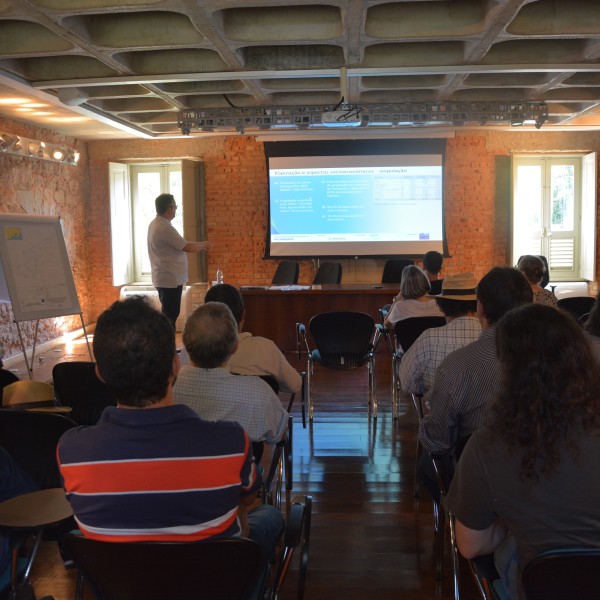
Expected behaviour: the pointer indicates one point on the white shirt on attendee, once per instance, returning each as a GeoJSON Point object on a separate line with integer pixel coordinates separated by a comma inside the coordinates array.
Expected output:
{"type": "Point", "coordinates": [404, 309]}
{"type": "Point", "coordinates": [260, 356]}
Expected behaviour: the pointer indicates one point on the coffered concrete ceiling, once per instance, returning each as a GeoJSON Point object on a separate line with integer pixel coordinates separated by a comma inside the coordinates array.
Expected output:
{"type": "Point", "coordinates": [136, 64]}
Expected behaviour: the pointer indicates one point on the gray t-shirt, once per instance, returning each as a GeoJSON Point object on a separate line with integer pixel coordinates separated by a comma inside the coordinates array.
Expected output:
{"type": "Point", "coordinates": [560, 512]}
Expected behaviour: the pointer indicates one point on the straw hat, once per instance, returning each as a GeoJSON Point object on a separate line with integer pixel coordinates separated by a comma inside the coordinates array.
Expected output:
{"type": "Point", "coordinates": [461, 286]}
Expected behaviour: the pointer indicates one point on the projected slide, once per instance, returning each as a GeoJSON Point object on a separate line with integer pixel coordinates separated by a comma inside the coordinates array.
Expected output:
{"type": "Point", "coordinates": [355, 204]}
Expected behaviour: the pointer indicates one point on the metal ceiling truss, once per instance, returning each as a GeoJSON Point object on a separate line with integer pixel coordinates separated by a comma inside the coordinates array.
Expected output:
{"type": "Point", "coordinates": [365, 115]}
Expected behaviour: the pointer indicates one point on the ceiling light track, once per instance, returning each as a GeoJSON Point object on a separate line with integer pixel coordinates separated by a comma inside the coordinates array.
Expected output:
{"type": "Point", "coordinates": [366, 115]}
{"type": "Point", "coordinates": [22, 146]}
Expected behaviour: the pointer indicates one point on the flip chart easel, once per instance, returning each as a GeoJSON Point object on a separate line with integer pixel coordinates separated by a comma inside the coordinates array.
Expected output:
{"type": "Point", "coordinates": [36, 276]}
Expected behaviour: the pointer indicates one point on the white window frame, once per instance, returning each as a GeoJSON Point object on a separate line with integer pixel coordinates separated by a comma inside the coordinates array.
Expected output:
{"type": "Point", "coordinates": [584, 245]}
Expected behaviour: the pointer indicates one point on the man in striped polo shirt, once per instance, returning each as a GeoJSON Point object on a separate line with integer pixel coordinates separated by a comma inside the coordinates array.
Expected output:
{"type": "Point", "coordinates": [151, 470]}
{"type": "Point", "coordinates": [468, 378]}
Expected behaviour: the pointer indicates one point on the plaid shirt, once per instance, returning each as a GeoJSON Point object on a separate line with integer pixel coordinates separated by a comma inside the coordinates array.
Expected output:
{"type": "Point", "coordinates": [418, 365]}
{"type": "Point", "coordinates": [217, 395]}
{"type": "Point", "coordinates": [465, 382]}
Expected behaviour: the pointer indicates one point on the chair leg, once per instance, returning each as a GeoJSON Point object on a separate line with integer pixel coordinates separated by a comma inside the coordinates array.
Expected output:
{"type": "Point", "coordinates": [395, 385]}
{"type": "Point", "coordinates": [455, 560]}
{"type": "Point", "coordinates": [439, 525]}
{"type": "Point", "coordinates": [372, 390]}
{"type": "Point", "coordinates": [417, 482]}
{"type": "Point", "coordinates": [309, 377]}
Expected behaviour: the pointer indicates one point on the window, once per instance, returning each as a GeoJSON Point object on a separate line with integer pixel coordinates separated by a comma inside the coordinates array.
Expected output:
{"type": "Point", "coordinates": [147, 182]}
{"type": "Point", "coordinates": [133, 189]}
{"type": "Point", "coordinates": [554, 213]}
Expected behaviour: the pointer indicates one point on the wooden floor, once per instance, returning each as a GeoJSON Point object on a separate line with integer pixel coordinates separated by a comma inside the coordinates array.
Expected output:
{"type": "Point", "coordinates": [370, 540]}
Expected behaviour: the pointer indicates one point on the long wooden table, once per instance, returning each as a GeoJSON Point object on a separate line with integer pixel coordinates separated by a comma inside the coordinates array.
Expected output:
{"type": "Point", "coordinates": [274, 312]}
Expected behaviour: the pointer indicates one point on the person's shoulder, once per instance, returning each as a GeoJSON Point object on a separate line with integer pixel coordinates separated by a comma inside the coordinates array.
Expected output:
{"type": "Point", "coordinates": [261, 342]}
{"type": "Point", "coordinates": [461, 358]}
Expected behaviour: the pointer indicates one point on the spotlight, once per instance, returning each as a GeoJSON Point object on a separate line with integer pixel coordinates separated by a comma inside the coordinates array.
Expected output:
{"type": "Point", "coordinates": [9, 141]}
{"type": "Point", "coordinates": [58, 154]}
{"type": "Point", "coordinates": [540, 121]}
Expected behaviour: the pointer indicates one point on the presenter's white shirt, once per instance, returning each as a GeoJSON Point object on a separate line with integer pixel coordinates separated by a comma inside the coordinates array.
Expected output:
{"type": "Point", "coordinates": [167, 258]}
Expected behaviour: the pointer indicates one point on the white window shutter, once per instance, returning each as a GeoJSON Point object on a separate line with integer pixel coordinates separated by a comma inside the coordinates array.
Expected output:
{"type": "Point", "coordinates": [120, 224]}
{"type": "Point", "coordinates": [588, 218]}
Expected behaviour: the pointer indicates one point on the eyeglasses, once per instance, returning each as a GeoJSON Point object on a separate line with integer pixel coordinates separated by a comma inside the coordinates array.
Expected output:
{"type": "Point", "coordinates": [173, 206]}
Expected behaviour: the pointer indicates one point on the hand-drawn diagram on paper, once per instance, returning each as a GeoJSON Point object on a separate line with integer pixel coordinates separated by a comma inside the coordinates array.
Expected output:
{"type": "Point", "coordinates": [36, 267]}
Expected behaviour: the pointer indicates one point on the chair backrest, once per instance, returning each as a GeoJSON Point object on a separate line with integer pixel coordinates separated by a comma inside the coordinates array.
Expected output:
{"type": "Point", "coordinates": [77, 385]}
{"type": "Point", "coordinates": [27, 394]}
{"type": "Point", "coordinates": [561, 574]}
{"type": "Point", "coordinates": [328, 272]}
{"type": "Point", "coordinates": [215, 569]}
{"type": "Point", "coordinates": [436, 287]}
{"type": "Point", "coordinates": [31, 439]}
{"type": "Point", "coordinates": [408, 330]}
{"type": "Point", "coordinates": [6, 378]}
{"type": "Point", "coordinates": [392, 269]}
{"type": "Point", "coordinates": [287, 273]}
{"type": "Point", "coordinates": [577, 305]}
{"type": "Point", "coordinates": [342, 339]}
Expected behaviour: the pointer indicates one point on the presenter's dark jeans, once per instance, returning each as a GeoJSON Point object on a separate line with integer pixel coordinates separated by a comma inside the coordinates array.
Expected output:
{"type": "Point", "coordinates": [170, 300]}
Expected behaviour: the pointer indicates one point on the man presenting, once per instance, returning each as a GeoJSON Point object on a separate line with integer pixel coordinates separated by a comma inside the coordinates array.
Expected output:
{"type": "Point", "coordinates": [168, 259]}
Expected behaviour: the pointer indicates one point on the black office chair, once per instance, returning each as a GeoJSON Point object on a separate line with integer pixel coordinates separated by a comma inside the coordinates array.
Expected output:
{"type": "Point", "coordinates": [287, 273]}
{"type": "Point", "coordinates": [224, 569]}
{"type": "Point", "coordinates": [392, 269]}
{"type": "Point", "coordinates": [6, 378]}
{"type": "Point", "coordinates": [444, 466]}
{"type": "Point", "coordinates": [344, 341]}
{"type": "Point", "coordinates": [31, 439]}
{"type": "Point", "coordinates": [436, 287]}
{"type": "Point", "coordinates": [328, 272]}
{"type": "Point", "coordinates": [577, 305]}
{"type": "Point", "coordinates": [77, 385]}
{"type": "Point", "coordinates": [559, 574]}
{"type": "Point", "coordinates": [406, 333]}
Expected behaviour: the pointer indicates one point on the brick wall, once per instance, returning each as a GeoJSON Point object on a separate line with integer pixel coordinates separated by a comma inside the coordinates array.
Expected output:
{"type": "Point", "coordinates": [41, 187]}
{"type": "Point", "coordinates": [236, 205]}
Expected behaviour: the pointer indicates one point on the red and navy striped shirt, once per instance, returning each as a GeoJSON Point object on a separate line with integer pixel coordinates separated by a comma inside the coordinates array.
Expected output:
{"type": "Point", "coordinates": [158, 474]}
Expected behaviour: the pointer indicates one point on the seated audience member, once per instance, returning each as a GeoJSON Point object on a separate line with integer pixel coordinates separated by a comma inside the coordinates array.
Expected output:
{"type": "Point", "coordinates": [458, 302]}
{"type": "Point", "coordinates": [413, 299]}
{"type": "Point", "coordinates": [210, 337]}
{"type": "Point", "coordinates": [533, 268]}
{"type": "Point", "coordinates": [432, 267]}
{"type": "Point", "coordinates": [151, 470]}
{"type": "Point", "coordinates": [592, 328]}
{"type": "Point", "coordinates": [468, 378]}
{"type": "Point", "coordinates": [255, 355]}
{"type": "Point", "coordinates": [533, 469]}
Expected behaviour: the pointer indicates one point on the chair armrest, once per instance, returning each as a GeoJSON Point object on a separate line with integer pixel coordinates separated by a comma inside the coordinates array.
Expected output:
{"type": "Point", "coordinates": [443, 466]}
{"type": "Point", "coordinates": [383, 331]}
{"type": "Point", "coordinates": [417, 400]}
{"type": "Point", "coordinates": [301, 334]}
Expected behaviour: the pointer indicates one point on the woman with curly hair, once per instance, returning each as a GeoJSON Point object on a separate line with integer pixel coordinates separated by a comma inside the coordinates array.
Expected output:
{"type": "Point", "coordinates": [592, 328]}
{"type": "Point", "coordinates": [533, 470]}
